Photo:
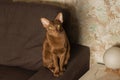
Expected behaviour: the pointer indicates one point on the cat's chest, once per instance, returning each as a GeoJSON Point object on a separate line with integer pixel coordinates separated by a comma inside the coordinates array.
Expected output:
{"type": "Point", "coordinates": [58, 42]}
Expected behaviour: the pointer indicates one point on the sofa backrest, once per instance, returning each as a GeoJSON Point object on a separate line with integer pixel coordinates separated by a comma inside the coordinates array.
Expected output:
{"type": "Point", "coordinates": [6, 1]}
{"type": "Point", "coordinates": [22, 34]}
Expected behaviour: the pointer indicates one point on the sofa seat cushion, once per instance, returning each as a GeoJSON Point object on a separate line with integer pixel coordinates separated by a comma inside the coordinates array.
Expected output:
{"type": "Point", "coordinates": [14, 73]}
{"type": "Point", "coordinates": [21, 33]}
{"type": "Point", "coordinates": [77, 66]}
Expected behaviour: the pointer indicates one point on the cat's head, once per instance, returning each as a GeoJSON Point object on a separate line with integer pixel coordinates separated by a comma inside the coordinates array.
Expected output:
{"type": "Point", "coordinates": [53, 27]}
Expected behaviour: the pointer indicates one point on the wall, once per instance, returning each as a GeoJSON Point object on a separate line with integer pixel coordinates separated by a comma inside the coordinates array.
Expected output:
{"type": "Point", "coordinates": [99, 24]}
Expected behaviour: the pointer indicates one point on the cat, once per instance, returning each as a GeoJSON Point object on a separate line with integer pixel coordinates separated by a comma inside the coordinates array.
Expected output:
{"type": "Point", "coordinates": [56, 47]}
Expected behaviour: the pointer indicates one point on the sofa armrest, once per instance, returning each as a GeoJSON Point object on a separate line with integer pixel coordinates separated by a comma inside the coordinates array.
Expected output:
{"type": "Point", "coordinates": [77, 66]}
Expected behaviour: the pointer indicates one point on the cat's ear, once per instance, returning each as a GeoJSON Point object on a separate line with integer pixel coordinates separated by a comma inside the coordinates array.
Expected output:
{"type": "Point", "coordinates": [45, 22]}
{"type": "Point", "coordinates": [59, 17]}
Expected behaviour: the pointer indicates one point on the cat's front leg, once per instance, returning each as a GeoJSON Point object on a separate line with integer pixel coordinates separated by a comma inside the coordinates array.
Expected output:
{"type": "Point", "coordinates": [56, 66]}
{"type": "Point", "coordinates": [62, 59]}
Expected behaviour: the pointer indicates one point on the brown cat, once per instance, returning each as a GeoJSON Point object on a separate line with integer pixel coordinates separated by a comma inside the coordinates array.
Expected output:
{"type": "Point", "coordinates": [56, 47]}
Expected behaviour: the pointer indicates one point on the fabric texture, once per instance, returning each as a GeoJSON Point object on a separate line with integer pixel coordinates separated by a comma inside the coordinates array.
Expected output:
{"type": "Point", "coordinates": [14, 73]}
{"type": "Point", "coordinates": [5, 0]}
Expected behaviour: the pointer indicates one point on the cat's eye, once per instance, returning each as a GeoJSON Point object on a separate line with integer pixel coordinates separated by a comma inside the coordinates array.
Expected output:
{"type": "Point", "coordinates": [58, 26]}
{"type": "Point", "coordinates": [50, 27]}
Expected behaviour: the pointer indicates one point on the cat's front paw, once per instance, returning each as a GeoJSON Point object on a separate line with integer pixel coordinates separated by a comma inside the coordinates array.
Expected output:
{"type": "Point", "coordinates": [56, 74]}
{"type": "Point", "coordinates": [52, 69]}
{"type": "Point", "coordinates": [63, 69]}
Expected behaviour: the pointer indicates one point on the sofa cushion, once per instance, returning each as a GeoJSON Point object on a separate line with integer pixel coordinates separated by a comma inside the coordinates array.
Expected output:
{"type": "Point", "coordinates": [21, 33]}
{"type": "Point", "coordinates": [77, 66]}
{"type": "Point", "coordinates": [14, 73]}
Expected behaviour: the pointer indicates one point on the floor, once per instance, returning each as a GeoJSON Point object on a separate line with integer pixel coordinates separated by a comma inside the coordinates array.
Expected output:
{"type": "Point", "coordinates": [97, 72]}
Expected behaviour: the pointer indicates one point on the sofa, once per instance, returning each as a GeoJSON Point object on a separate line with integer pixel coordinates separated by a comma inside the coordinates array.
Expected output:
{"type": "Point", "coordinates": [21, 38]}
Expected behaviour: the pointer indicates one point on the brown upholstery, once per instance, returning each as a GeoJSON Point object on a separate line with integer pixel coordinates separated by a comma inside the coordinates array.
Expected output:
{"type": "Point", "coordinates": [14, 73]}
{"type": "Point", "coordinates": [21, 38]}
